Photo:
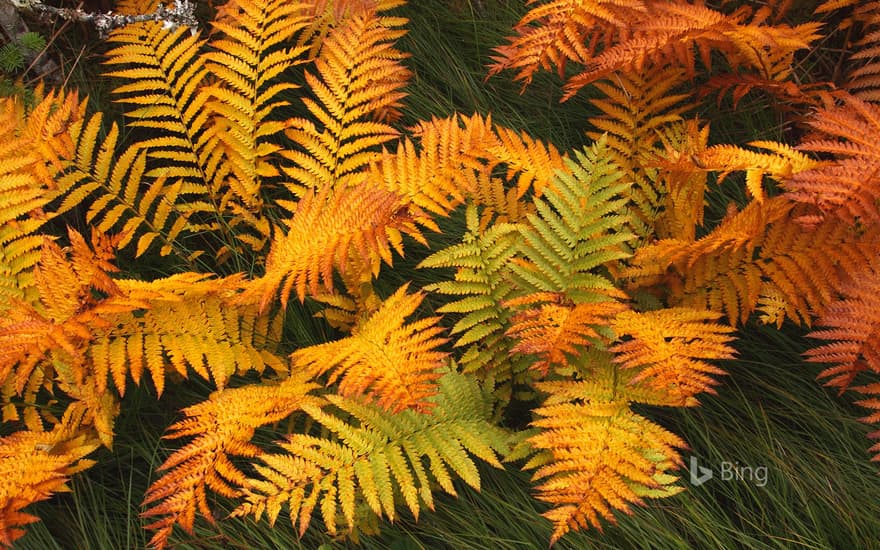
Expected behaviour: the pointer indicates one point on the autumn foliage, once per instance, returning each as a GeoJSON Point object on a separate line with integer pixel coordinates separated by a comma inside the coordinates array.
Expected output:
{"type": "Point", "coordinates": [263, 162]}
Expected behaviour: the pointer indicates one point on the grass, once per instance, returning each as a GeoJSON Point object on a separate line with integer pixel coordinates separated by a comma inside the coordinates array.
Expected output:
{"type": "Point", "coordinates": [770, 413]}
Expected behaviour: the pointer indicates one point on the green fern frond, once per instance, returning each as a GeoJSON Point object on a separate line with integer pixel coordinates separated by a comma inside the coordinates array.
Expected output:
{"type": "Point", "coordinates": [481, 285]}
{"type": "Point", "coordinates": [580, 225]}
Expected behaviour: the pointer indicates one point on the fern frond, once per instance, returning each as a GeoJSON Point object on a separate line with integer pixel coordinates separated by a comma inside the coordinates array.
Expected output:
{"type": "Point", "coordinates": [579, 227]}
{"type": "Point", "coordinates": [437, 176]}
{"type": "Point", "coordinates": [481, 285]}
{"type": "Point", "coordinates": [851, 327]}
{"type": "Point", "coordinates": [862, 77]}
{"type": "Point", "coordinates": [222, 427]}
{"type": "Point", "coordinates": [37, 145]}
{"type": "Point", "coordinates": [637, 111]}
{"type": "Point", "coordinates": [33, 466]}
{"type": "Point", "coordinates": [246, 57]}
{"type": "Point", "coordinates": [593, 456]}
{"type": "Point", "coordinates": [115, 186]}
{"type": "Point", "coordinates": [165, 73]}
{"type": "Point", "coordinates": [781, 163]}
{"type": "Point", "coordinates": [377, 458]}
{"type": "Point", "coordinates": [191, 321]}
{"type": "Point", "coordinates": [762, 248]}
{"type": "Point", "coordinates": [532, 163]}
{"type": "Point", "coordinates": [49, 340]}
{"type": "Point", "coordinates": [392, 363]}
{"type": "Point", "coordinates": [667, 33]}
{"type": "Point", "coordinates": [360, 77]}
{"type": "Point", "coordinates": [669, 347]}
{"type": "Point", "coordinates": [848, 187]}
{"type": "Point", "coordinates": [325, 15]}
{"type": "Point", "coordinates": [555, 330]}
{"type": "Point", "coordinates": [558, 31]}
{"type": "Point", "coordinates": [328, 228]}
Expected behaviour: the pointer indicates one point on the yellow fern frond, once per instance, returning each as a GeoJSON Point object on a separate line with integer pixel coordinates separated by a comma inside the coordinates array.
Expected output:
{"type": "Point", "coordinates": [781, 163]}
{"type": "Point", "coordinates": [682, 184]}
{"type": "Point", "coordinates": [393, 363]}
{"type": "Point", "coordinates": [222, 426]}
{"type": "Point", "coordinates": [438, 174]}
{"type": "Point", "coordinates": [246, 60]}
{"type": "Point", "coordinates": [377, 458]}
{"type": "Point", "coordinates": [191, 321]}
{"type": "Point", "coordinates": [360, 76]}
{"type": "Point", "coordinates": [114, 183]}
{"type": "Point", "coordinates": [637, 112]}
{"type": "Point", "coordinates": [532, 163]}
{"type": "Point", "coordinates": [164, 73]}
{"type": "Point", "coordinates": [594, 456]}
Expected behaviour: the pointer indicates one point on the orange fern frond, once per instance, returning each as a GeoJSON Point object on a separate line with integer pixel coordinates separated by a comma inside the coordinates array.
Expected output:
{"type": "Point", "coordinates": [33, 466]}
{"type": "Point", "coordinates": [438, 174]}
{"type": "Point", "coordinates": [760, 253]}
{"type": "Point", "coordinates": [852, 326]}
{"type": "Point", "coordinates": [555, 330]}
{"type": "Point", "coordinates": [862, 77]}
{"type": "Point", "coordinates": [325, 15]}
{"type": "Point", "coordinates": [559, 31]}
{"type": "Point", "coordinates": [222, 427]}
{"type": "Point", "coordinates": [669, 347]}
{"type": "Point", "coordinates": [327, 229]}
{"type": "Point", "coordinates": [60, 325]}
{"type": "Point", "coordinates": [393, 363]}
{"type": "Point", "coordinates": [37, 145]}
{"type": "Point", "coordinates": [848, 187]}
{"type": "Point", "coordinates": [359, 81]}
{"type": "Point", "coordinates": [623, 36]}
{"type": "Point", "coordinates": [667, 33]}
{"type": "Point", "coordinates": [683, 187]}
